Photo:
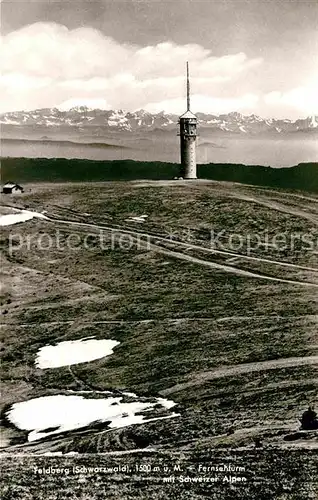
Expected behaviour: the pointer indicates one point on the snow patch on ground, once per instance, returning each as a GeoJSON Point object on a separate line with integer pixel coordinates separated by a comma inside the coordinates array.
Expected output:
{"type": "Point", "coordinates": [140, 219]}
{"type": "Point", "coordinates": [130, 394]}
{"type": "Point", "coordinates": [23, 216]}
{"type": "Point", "coordinates": [166, 403]}
{"type": "Point", "coordinates": [73, 352]}
{"type": "Point", "coordinates": [51, 415]}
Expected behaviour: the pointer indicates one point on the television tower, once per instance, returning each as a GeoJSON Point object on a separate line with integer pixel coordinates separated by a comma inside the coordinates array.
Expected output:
{"type": "Point", "coordinates": [188, 134]}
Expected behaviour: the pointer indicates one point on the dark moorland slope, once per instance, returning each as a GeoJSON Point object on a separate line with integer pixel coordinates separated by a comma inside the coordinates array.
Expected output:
{"type": "Point", "coordinates": [303, 176]}
{"type": "Point", "coordinates": [230, 336]}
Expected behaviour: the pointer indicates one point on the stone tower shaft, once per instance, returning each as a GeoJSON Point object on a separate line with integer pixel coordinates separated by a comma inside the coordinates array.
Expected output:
{"type": "Point", "coordinates": [188, 134]}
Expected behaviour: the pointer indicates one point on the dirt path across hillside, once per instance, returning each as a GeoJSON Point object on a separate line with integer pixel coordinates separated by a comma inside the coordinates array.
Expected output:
{"type": "Point", "coordinates": [230, 269]}
{"type": "Point", "coordinates": [182, 256]}
{"type": "Point", "coordinates": [230, 371]}
{"type": "Point", "coordinates": [279, 207]}
{"type": "Point", "coordinates": [154, 320]}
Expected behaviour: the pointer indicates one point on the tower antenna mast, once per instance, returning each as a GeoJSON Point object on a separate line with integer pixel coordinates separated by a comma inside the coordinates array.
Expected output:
{"type": "Point", "coordinates": [188, 88]}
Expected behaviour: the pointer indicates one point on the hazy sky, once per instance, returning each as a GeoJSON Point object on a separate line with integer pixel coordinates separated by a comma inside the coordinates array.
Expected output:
{"type": "Point", "coordinates": [252, 56]}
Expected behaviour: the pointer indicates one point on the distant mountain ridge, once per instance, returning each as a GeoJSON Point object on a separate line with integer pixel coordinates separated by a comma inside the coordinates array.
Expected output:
{"type": "Point", "coordinates": [141, 120]}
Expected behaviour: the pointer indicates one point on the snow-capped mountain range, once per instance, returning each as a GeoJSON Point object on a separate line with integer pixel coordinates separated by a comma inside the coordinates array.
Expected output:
{"type": "Point", "coordinates": [83, 117]}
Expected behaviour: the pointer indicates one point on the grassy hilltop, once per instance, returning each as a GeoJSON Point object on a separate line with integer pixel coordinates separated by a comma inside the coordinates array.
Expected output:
{"type": "Point", "coordinates": [234, 351]}
{"type": "Point", "coordinates": [302, 177]}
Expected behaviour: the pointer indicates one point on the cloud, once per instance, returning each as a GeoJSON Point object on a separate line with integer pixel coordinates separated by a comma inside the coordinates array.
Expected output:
{"type": "Point", "coordinates": [46, 64]}
{"type": "Point", "coordinates": [51, 50]}
{"type": "Point", "coordinates": [244, 103]}
{"type": "Point", "coordinates": [303, 98]}
{"type": "Point", "coordinates": [89, 103]}
{"type": "Point", "coordinates": [19, 81]}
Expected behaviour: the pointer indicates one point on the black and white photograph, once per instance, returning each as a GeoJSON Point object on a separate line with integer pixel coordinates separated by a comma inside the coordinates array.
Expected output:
{"type": "Point", "coordinates": [159, 249]}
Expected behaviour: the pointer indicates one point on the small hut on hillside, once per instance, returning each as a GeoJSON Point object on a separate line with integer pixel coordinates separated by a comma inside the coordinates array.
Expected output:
{"type": "Point", "coordinates": [12, 188]}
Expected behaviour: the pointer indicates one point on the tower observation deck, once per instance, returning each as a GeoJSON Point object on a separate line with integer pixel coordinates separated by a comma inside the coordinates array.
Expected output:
{"type": "Point", "coordinates": [188, 134]}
